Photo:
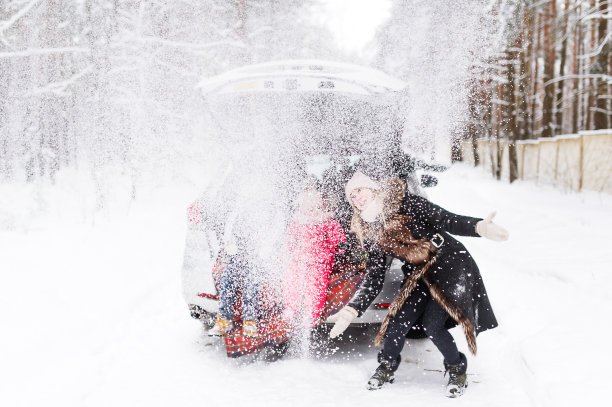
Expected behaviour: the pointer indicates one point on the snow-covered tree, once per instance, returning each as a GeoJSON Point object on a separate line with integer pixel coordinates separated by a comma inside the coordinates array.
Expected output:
{"type": "Point", "coordinates": [111, 85]}
{"type": "Point", "coordinates": [435, 47]}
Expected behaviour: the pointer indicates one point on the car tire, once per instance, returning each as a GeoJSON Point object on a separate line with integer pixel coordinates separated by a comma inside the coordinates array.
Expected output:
{"type": "Point", "coordinates": [276, 352]}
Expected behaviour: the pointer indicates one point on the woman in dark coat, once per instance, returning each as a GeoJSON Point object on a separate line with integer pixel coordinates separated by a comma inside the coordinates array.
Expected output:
{"type": "Point", "coordinates": [442, 287]}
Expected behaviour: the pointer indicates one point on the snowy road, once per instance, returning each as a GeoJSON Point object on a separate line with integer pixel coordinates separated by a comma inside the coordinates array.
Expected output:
{"type": "Point", "coordinates": [93, 316]}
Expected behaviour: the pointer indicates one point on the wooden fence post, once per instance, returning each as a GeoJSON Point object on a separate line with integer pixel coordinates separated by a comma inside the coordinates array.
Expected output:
{"type": "Point", "coordinates": [556, 178]}
{"type": "Point", "coordinates": [581, 162]}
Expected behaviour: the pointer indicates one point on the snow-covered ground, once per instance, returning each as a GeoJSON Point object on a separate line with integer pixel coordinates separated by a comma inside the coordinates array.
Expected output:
{"type": "Point", "coordinates": [92, 315]}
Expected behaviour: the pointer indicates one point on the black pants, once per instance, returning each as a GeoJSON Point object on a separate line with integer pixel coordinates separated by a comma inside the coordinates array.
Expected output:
{"type": "Point", "coordinates": [420, 303]}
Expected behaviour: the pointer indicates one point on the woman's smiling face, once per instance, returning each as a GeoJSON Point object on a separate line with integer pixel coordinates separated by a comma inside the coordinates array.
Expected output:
{"type": "Point", "coordinates": [361, 197]}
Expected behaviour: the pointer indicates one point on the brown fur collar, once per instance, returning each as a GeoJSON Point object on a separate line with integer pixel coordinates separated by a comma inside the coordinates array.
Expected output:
{"type": "Point", "coordinates": [391, 233]}
{"type": "Point", "coordinates": [396, 239]}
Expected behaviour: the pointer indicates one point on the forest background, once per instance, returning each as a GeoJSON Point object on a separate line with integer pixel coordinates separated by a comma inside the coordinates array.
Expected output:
{"type": "Point", "coordinates": [108, 87]}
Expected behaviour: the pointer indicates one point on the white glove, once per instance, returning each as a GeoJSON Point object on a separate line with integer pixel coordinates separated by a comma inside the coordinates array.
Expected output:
{"type": "Point", "coordinates": [342, 320]}
{"type": "Point", "coordinates": [486, 228]}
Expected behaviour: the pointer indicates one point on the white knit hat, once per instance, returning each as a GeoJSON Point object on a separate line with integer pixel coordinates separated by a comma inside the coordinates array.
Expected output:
{"type": "Point", "coordinates": [359, 180]}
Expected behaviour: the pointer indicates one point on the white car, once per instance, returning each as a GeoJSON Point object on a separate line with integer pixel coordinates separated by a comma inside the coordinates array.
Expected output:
{"type": "Point", "coordinates": [351, 111]}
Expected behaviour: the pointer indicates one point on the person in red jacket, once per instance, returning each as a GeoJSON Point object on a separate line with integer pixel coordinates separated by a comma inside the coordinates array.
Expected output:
{"type": "Point", "coordinates": [313, 239]}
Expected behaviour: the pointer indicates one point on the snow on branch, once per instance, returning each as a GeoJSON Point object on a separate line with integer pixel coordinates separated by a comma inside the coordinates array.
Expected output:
{"type": "Point", "coordinates": [597, 12]}
{"type": "Point", "coordinates": [597, 50]}
{"type": "Point", "coordinates": [538, 4]}
{"type": "Point", "coordinates": [59, 88]}
{"type": "Point", "coordinates": [41, 51]}
{"type": "Point", "coordinates": [597, 109]}
{"type": "Point", "coordinates": [192, 45]}
{"type": "Point", "coordinates": [579, 76]}
{"type": "Point", "coordinates": [500, 102]}
{"type": "Point", "coordinates": [177, 69]}
{"type": "Point", "coordinates": [261, 30]}
{"type": "Point", "coordinates": [592, 14]}
{"type": "Point", "coordinates": [596, 16]}
{"type": "Point", "coordinates": [4, 25]}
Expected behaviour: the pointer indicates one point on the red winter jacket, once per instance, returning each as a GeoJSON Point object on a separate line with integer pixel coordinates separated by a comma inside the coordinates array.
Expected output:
{"type": "Point", "coordinates": [311, 249]}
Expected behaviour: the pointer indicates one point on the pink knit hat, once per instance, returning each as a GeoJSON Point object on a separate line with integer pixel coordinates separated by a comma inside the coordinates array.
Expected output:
{"type": "Point", "coordinates": [359, 180]}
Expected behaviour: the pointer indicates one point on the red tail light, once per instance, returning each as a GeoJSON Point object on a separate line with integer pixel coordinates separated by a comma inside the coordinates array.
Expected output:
{"type": "Point", "coordinates": [194, 213]}
{"type": "Point", "coordinates": [382, 305]}
{"type": "Point", "coordinates": [211, 296]}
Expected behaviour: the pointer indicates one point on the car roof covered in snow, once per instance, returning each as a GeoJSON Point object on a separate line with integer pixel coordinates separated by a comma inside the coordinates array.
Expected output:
{"type": "Point", "coordinates": [302, 76]}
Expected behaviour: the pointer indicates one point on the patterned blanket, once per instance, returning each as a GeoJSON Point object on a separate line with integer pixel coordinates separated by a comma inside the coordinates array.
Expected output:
{"type": "Point", "coordinates": [273, 329]}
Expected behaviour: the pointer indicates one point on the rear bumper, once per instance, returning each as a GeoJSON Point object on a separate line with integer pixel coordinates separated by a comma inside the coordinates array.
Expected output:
{"type": "Point", "coordinates": [371, 316]}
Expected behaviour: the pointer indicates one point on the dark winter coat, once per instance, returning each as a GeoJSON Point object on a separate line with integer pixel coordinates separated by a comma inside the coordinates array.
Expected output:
{"type": "Point", "coordinates": [453, 278]}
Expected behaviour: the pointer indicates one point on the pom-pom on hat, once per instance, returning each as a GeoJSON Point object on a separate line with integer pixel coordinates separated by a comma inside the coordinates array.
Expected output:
{"type": "Point", "coordinates": [359, 180]}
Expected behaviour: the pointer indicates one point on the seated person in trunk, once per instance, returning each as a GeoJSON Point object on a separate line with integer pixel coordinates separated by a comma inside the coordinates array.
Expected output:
{"type": "Point", "coordinates": [313, 239]}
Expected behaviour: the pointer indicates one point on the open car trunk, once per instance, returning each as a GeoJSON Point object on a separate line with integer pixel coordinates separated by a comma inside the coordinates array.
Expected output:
{"type": "Point", "coordinates": [275, 124]}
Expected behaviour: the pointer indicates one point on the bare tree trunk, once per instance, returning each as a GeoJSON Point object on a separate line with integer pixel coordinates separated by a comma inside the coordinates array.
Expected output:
{"type": "Point", "coordinates": [6, 153]}
{"type": "Point", "coordinates": [559, 103]}
{"type": "Point", "coordinates": [513, 108]}
{"type": "Point", "coordinates": [527, 70]}
{"type": "Point", "coordinates": [498, 131]}
{"type": "Point", "coordinates": [549, 70]}
{"type": "Point", "coordinates": [535, 113]}
{"type": "Point", "coordinates": [570, 99]}
{"type": "Point", "coordinates": [600, 116]}
{"type": "Point", "coordinates": [241, 29]}
{"type": "Point", "coordinates": [591, 98]}
{"type": "Point", "coordinates": [578, 46]}
{"type": "Point", "coordinates": [610, 86]}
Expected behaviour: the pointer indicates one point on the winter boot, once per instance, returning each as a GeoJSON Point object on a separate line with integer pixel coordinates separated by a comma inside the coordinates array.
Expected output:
{"type": "Point", "coordinates": [457, 377]}
{"type": "Point", "coordinates": [383, 374]}
{"type": "Point", "coordinates": [222, 326]}
{"type": "Point", "coordinates": [249, 328]}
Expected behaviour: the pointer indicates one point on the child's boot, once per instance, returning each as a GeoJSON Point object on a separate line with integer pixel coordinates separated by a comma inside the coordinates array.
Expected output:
{"type": "Point", "coordinates": [222, 326]}
{"type": "Point", "coordinates": [249, 327]}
